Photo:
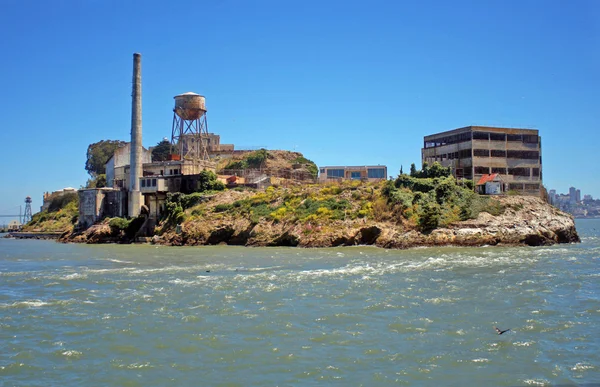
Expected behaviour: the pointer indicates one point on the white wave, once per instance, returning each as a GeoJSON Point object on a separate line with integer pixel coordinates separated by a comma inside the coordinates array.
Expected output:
{"type": "Point", "coordinates": [73, 276]}
{"type": "Point", "coordinates": [119, 261]}
{"type": "Point", "coordinates": [25, 304]}
{"type": "Point", "coordinates": [537, 382]}
{"type": "Point", "coordinates": [481, 360]}
{"type": "Point", "coordinates": [523, 343]}
{"type": "Point", "coordinates": [72, 353]}
{"type": "Point", "coordinates": [582, 367]}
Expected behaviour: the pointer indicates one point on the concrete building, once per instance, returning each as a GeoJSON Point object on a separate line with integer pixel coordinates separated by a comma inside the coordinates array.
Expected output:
{"type": "Point", "coordinates": [473, 151]}
{"type": "Point", "coordinates": [115, 166]}
{"type": "Point", "coordinates": [97, 203]}
{"type": "Point", "coordinates": [364, 173]}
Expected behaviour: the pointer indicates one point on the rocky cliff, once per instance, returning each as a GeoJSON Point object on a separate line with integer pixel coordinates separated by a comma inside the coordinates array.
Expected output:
{"type": "Point", "coordinates": [349, 215]}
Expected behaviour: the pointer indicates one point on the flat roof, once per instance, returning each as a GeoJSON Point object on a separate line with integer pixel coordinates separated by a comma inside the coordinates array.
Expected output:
{"type": "Point", "coordinates": [354, 166]}
{"type": "Point", "coordinates": [485, 129]}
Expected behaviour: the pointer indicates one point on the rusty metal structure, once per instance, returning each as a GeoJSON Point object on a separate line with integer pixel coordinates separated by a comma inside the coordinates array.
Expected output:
{"type": "Point", "coordinates": [189, 135]}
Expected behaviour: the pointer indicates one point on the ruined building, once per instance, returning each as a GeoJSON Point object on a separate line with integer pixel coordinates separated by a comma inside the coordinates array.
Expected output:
{"type": "Point", "coordinates": [473, 151]}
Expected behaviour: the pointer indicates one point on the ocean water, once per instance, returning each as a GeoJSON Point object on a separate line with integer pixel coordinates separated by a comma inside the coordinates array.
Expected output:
{"type": "Point", "coordinates": [141, 315]}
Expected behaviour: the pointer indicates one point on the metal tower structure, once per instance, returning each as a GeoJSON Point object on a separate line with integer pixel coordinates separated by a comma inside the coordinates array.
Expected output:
{"type": "Point", "coordinates": [27, 215]}
{"type": "Point", "coordinates": [189, 136]}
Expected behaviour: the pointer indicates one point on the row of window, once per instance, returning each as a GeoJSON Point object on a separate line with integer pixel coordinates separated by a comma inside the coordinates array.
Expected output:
{"type": "Point", "coordinates": [372, 173]}
{"type": "Point", "coordinates": [534, 172]}
{"type": "Point", "coordinates": [526, 187]}
{"type": "Point", "coordinates": [491, 136]}
{"type": "Point", "coordinates": [511, 154]}
{"type": "Point", "coordinates": [148, 183]}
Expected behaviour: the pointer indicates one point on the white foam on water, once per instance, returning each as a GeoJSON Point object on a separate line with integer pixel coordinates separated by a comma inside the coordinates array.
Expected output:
{"type": "Point", "coordinates": [72, 353]}
{"type": "Point", "coordinates": [582, 367]}
{"type": "Point", "coordinates": [25, 304]}
{"type": "Point", "coordinates": [537, 382]}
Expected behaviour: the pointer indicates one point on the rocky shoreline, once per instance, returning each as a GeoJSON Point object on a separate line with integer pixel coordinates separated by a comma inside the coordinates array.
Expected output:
{"type": "Point", "coordinates": [526, 221]}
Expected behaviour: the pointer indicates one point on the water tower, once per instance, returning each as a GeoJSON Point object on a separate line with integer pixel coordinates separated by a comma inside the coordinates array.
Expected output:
{"type": "Point", "coordinates": [27, 215]}
{"type": "Point", "coordinates": [190, 129]}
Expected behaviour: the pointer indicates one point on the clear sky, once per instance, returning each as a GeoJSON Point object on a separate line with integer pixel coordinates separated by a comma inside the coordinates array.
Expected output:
{"type": "Point", "coordinates": [343, 82]}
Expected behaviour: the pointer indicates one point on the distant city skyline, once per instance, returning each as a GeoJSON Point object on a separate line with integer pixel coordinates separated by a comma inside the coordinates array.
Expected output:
{"type": "Point", "coordinates": [341, 82]}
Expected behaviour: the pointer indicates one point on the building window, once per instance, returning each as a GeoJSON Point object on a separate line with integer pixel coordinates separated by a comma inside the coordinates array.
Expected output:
{"type": "Point", "coordinates": [464, 154]}
{"type": "Point", "coordinates": [322, 170]}
{"type": "Point", "coordinates": [498, 153]}
{"type": "Point", "coordinates": [530, 138]}
{"type": "Point", "coordinates": [535, 172]}
{"type": "Point", "coordinates": [481, 152]}
{"type": "Point", "coordinates": [143, 181]}
{"type": "Point", "coordinates": [501, 171]}
{"type": "Point", "coordinates": [528, 155]}
{"type": "Point", "coordinates": [482, 170]}
{"type": "Point", "coordinates": [355, 175]}
{"type": "Point", "coordinates": [335, 173]}
{"type": "Point", "coordinates": [376, 173]}
{"type": "Point", "coordinates": [497, 137]}
{"type": "Point", "coordinates": [518, 171]}
{"type": "Point", "coordinates": [514, 137]}
{"type": "Point", "coordinates": [154, 182]}
{"type": "Point", "coordinates": [481, 136]}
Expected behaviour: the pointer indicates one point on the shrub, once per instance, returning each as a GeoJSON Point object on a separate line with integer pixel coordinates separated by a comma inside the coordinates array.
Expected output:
{"type": "Point", "coordinates": [118, 224]}
{"type": "Point", "coordinates": [62, 201]}
{"type": "Point", "coordinates": [223, 207]}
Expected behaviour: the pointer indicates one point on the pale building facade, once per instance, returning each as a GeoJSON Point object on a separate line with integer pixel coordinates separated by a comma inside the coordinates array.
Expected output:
{"type": "Point", "coordinates": [363, 173]}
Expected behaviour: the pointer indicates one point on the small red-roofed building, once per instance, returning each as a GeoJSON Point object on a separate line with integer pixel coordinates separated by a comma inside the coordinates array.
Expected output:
{"type": "Point", "coordinates": [490, 184]}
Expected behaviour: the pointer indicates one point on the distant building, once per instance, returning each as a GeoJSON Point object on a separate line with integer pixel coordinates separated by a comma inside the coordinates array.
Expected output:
{"type": "Point", "coordinates": [572, 195]}
{"type": "Point", "coordinates": [48, 197]}
{"type": "Point", "coordinates": [364, 173]}
{"type": "Point", "coordinates": [14, 225]}
{"type": "Point", "coordinates": [587, 198]}
{"type": "Point", "coordinates": [473, 151]}
{"type": "Point", "coordinates": [552, 196]}
{"type": "Point", "coordinates": [578, 196]}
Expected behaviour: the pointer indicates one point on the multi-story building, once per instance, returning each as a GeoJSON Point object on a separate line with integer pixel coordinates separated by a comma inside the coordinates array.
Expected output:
{"type": "Point", "coordinates": [573, 195]}
{"type": "Point", "coordinates": [473, 151]}
{"type": "Point", "coordinates": [365, 173]}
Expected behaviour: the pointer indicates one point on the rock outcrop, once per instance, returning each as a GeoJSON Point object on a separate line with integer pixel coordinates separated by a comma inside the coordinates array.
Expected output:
{"type": "Point", "coordinates": [525, 221]}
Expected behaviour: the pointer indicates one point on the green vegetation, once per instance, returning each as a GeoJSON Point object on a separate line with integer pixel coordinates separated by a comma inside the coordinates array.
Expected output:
{"type": "Point", "coordinates": [309, 164]}
{"type": "Point", "coordinates": [161, 151]}
{"type": "Point", "coordinates": [432, 197]}
{"type": "Point", "coordinates": [251, 160]}
{"type": "Point", "coordinates": [410, 202]}
{"type": "Point", "coordinates": [208, 182]}
{"type": "Point", "coordinates": [126, 227]}
{"type": "Point", "coordinates": [61, 216]}
{"type": "Point", "coordinates": [98, 181]}
{"type": "Point", "coordinates": [99, 153]}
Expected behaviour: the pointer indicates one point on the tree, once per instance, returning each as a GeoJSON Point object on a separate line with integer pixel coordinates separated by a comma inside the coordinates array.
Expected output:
{"type": "Point", "coordinates": [99, 181]}
{"type": "Point", "coordinates": [161, 151]}
{"type": "Point", "coordinates": [99, 153]}
{"type": "Point", "coordinates": [413, 170]}
{"type": "Point", "coordinates": [401, 172]}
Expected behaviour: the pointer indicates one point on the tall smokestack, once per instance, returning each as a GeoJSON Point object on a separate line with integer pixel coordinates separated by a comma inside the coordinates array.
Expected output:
{"type": "Point", "coordinates": [135, 164]}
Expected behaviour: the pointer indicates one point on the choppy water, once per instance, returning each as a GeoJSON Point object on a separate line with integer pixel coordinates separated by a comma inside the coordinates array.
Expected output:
{"type": "Point", "coordinates": [231, 316]}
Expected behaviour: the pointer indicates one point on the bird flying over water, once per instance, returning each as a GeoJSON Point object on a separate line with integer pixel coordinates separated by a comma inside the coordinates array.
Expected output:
{"type": "Point", "coordinates": [501, 331]}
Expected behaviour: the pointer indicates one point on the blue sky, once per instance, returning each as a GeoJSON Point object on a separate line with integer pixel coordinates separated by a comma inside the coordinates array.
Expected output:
{"type": "Point", "coordinates": [343, 82]}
